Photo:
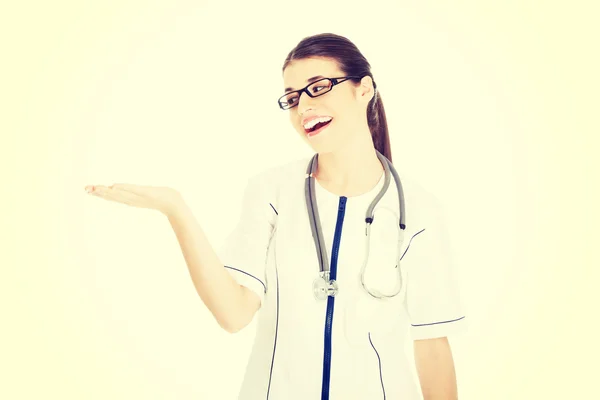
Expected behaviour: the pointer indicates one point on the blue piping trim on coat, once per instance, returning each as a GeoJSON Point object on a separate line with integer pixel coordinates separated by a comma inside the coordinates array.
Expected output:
{"type": "Point", "coordinates": [407, 247]}
{"type": "Point", "coordinates": [331, 300]}
{"type": "Point", "coordinates": [276, 331]}
{"type": "Point", "coordinates": [441, 322]}
{"type": "Point", "coordinates": [244, 272]}
{"type": "Point", "coordinates": [378, 358]}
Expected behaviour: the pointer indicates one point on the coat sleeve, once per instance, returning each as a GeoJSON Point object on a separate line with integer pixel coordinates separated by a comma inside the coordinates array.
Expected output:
{"type": "Point", "coordinates": [244, 251]}
{"type": "Point", "coordinates": [433, 300]}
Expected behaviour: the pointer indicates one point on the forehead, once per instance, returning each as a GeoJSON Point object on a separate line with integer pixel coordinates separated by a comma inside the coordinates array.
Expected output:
{"type": "Point", "coordinates": [298, 73]}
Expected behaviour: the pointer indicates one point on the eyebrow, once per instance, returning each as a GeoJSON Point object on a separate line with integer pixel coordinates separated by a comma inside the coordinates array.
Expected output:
{"type": "Point", "coordinates": [309, 80]}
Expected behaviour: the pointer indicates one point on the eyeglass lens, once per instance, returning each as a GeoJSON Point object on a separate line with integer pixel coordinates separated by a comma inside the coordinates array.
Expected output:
{"type": "Point", "coordinates": [316, 89]}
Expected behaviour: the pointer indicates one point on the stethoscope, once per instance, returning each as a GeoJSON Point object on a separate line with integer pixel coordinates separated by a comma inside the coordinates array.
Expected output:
{"type": "Point", "coordinates": [323, 286]}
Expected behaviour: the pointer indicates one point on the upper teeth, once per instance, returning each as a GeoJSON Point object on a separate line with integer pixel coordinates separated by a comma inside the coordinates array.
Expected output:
{"type": "Point", "coordinates": [310, 124]}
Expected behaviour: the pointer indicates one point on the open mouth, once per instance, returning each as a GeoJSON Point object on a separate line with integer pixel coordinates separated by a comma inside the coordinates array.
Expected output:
{"type": "Point", "coordinates": [317, 128]}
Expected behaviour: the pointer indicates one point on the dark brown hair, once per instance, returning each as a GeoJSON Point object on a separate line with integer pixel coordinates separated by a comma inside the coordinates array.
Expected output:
{"type": "Point", "coordinates": [351, 62]}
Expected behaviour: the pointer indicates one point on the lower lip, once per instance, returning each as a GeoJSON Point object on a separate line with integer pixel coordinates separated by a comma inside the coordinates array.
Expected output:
{"type": "Point", "coordinates": [321, 129]}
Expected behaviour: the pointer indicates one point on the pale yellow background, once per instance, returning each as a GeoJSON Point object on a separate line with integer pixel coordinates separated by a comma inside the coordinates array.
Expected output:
{"type": "Point", "coordinates": [491, 104]}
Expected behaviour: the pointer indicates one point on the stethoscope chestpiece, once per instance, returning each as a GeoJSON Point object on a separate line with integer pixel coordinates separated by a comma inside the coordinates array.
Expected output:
{"type": "Point", "coordinates": [323, 288]}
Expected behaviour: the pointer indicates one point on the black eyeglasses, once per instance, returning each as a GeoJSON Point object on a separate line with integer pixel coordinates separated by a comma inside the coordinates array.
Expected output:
{"type": "Point", "coordinates": [315, 89]}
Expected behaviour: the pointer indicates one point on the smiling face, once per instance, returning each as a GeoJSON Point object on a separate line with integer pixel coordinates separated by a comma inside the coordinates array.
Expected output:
{"type": "Point", "coordinates": [345, 104]}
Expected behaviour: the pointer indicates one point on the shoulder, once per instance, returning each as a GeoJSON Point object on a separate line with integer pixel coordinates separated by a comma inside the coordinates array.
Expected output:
{"type": "Point", "coordinates": [270, 182]}
{"type": "Point", "coordinates": [277, 175]}
{"type": "Point", "coordinates": [422, 206]}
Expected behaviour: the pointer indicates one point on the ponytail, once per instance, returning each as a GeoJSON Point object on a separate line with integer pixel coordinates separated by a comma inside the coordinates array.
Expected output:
{"type": "Point", "coordinates": [378, 126]}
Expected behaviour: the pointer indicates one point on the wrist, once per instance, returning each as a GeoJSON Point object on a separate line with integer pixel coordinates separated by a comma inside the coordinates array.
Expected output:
{"type": "Point", "coordinates": [175, 208]}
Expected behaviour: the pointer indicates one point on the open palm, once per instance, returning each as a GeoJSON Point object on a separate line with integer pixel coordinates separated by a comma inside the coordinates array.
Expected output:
{"type": "Point", "coordinates": [160, 198]}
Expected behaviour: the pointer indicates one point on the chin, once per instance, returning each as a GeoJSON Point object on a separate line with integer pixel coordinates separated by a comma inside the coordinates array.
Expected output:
{"type": "Point", "coordinates": [322, 147]}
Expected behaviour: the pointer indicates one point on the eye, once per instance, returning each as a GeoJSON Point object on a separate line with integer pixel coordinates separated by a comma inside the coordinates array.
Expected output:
{"type": "Point", "coordinates": [291, 99]}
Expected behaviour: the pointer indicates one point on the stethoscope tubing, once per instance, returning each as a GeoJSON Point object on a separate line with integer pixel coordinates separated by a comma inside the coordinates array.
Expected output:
{"type": "Point", "coordinates": [313, 211]}
{"type": "Point", "coordinates": [315, 225]}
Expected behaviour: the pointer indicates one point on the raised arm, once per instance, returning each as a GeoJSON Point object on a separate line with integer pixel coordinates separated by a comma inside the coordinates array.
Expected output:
{"type": "Point", "coordinates": [232, 304]}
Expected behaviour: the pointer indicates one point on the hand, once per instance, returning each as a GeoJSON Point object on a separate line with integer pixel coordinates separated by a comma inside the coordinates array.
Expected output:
{"type": "Point", "coordinates": [163, 199]}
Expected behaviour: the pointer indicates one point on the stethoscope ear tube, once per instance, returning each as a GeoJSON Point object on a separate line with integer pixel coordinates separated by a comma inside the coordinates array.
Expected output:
{"type": "Point", "coordinates": [389, 168]}
{"type": "Point", "coordinates": [314, 219]}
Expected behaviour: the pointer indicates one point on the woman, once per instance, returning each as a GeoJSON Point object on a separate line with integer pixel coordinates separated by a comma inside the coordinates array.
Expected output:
{"type": "Point", "coordinates": [350, 345]}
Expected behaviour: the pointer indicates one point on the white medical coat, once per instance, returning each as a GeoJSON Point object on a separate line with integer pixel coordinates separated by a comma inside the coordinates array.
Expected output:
{"type": "Point", "coordinates": [350, 346]}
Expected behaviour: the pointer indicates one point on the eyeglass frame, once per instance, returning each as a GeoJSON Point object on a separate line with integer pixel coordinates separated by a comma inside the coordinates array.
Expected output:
{"type": "Point", "coordinates": [334, 81]}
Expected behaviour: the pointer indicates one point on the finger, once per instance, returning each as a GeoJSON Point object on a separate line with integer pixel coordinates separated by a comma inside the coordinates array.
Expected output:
{"type": "Point", "coordinates": [116, 186]}
{"type": "Point", "coordinates": [97, 190]}
{"type": "Point", "coordinates": [94, 189]}
{"type": "Point", "coordinates": [119, 196]}
{"type": "Point", "coordinates": [138, 189]}
{"type": "Point", "coordinates": [130, 199]}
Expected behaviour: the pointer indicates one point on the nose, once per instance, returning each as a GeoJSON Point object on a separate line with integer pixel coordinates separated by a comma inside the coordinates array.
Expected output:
{"type": "Point", "coordinates": [303, 104]}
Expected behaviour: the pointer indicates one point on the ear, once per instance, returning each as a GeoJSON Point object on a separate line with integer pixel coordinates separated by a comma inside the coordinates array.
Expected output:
{"type": "Point", "coordinates": [366, 89]}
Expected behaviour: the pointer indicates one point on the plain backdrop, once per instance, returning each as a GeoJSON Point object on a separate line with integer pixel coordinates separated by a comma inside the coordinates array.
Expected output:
{"type": "Point", "coordinates": [493, 106]}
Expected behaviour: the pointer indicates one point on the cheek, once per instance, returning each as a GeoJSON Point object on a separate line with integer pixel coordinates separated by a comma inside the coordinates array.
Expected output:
{"type": "Point", "coordinates": [293, 121]}
{"type": "Point", "coordinates": [298, 127]}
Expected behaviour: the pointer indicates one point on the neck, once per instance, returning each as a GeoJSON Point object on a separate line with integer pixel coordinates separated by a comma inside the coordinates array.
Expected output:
{"type": "Point", "coordinates": [355, 168]}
